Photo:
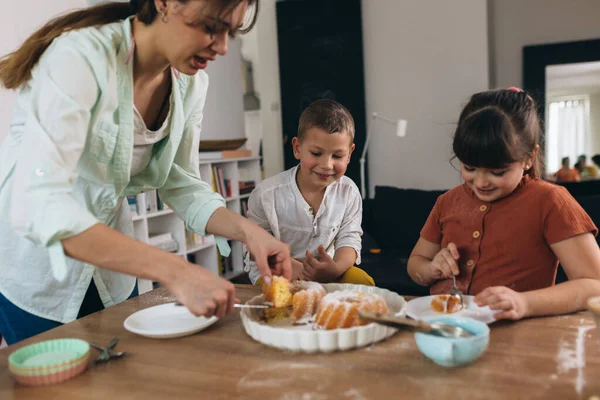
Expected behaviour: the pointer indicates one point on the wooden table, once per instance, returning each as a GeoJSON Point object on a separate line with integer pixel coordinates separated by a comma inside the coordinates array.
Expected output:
{"type": "Point", "coordinates": [543, 358]}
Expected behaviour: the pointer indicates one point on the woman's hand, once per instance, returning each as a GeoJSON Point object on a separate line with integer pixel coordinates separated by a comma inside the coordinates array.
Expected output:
{"type": "Point", "coordinates": [272, 257]}
{"type": "Point", "coordinates": [201, 291]}
{"type": "Point", "coordinates": [512, 305]}
{"type": "Point", "coordinates": [444, 263]}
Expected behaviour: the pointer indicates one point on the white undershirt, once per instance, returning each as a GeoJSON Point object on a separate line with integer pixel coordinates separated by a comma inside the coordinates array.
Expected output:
{"type": "Point", "coordinates": [143, 140]}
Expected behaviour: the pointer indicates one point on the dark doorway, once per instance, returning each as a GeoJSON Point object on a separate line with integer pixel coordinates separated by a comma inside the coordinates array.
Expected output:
{"type": "Point", "coordinates": [321, 56]}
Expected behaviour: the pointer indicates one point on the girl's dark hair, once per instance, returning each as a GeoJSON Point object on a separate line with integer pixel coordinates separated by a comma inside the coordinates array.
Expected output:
{"type": "Point", "coordinates": [15, 68]}
{"type": "Point", "coordinates": [496, 128]}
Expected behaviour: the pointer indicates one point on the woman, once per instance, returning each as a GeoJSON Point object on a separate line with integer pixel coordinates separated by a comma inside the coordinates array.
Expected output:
{"type": "Point", "coordinates": [110, 104]}
{"type": "Point", "coordinates": [566, 173]}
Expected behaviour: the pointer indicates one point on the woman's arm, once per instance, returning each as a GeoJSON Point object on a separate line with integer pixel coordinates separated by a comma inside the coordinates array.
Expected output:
{"type": "Point", "coordinates": [580, 258]}
{"type": "Point", "coordinates": [269, 254]}
{"type": "Point", "coordinates": [204, 211]}
{"type": "Point", "coordinates": [200, 290]}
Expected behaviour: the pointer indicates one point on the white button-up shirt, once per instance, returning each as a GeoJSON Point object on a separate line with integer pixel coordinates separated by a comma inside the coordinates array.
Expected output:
{"type": "Point", "coordinates": [277, 205]}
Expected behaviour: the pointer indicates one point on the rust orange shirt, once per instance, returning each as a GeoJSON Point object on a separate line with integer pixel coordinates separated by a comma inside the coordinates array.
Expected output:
{"type": "Point", "coordinates": [506, 242]}
{"type": "Point", "coordinates": [572, 175]}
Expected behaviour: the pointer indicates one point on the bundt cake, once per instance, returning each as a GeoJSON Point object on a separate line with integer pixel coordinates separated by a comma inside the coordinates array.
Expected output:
{"type": "Point", "coordinates": [447, 304]}
{"type": "Point", "coordinates": [340, 309]}
{"type": "Point", "coordinates": [305, 299]}
{"type": "Point", "coordinates": [275, 314]}
{"type": "Point", "coordinates": [302, 296]}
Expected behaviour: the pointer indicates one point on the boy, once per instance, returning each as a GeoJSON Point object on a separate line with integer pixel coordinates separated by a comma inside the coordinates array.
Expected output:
{"type": "Point", "coordinates": [313, 207]}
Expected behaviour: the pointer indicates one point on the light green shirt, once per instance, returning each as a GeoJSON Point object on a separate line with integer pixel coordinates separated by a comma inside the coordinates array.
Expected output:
{"type": "Point", "coordinates": [66, 164]}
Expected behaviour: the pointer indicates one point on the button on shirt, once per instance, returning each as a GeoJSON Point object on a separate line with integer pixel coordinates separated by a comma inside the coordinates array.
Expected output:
{"type": "Point", "coordinates": [506, 242]}
{"type": "Point", "coordinates": [66, 166]}
{"type": "Point", "coordinates": [278, 206]}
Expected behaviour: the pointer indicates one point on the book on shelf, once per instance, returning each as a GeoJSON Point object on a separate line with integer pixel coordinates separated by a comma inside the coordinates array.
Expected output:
{"type": "Point", "coordinates": [225, 264]}
{"type": "Point", "coordinates": [163, 241]}
{"type": "Point", "coordinates": [132, 201]}
{"type": "Point", "coordinates": [246, 187]}
{"type": "Point", "coordinates": [192, 239]}
{"type": "Point", "coordinates": [160, 206]}
{"type": "Point", "coordinates": [151, 205]}
{"type": "Point", "coordinates": [152, 201]}
{"type": "Point", "coordinates": [224, 154]}
{"type": "Point", "coordinates": [214, 180]}
{"type": "Point", "coordinates": [220, 184]}
{"type": "Point", "coordinates": [244, 207]}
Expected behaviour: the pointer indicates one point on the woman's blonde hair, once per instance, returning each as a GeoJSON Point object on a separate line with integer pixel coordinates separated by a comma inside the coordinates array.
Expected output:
{"type": "Point", "coordinates": [15, 67]}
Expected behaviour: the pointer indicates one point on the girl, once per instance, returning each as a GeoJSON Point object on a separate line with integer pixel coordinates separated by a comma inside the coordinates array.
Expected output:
{"type": "Point", "coordinates": [504, 231]}
{"type": "Point", "coordinates": [109, 105]}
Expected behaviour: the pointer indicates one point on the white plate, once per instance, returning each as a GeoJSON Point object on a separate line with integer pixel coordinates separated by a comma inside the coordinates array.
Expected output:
{"type": "Point", "coordinates": [166, 321]}
{"type": "Point", "coordinates": [420, 308]}
{"type": "Point", "coordinates": [305, 339]}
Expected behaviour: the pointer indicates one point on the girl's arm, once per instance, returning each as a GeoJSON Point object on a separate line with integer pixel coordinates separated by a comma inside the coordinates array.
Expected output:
{"type": "Point", "coordinates": [580, 258]}
{"type": "Point", "coordinates": [428, 262]}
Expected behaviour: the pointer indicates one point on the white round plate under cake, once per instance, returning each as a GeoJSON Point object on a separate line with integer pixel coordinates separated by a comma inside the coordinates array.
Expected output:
{"type": "Point", "coordinates": [303, 338]}
{"type": "Point", "coordinates": [420, 308]}
{"type": "Point", "coordinates": [166, 321]}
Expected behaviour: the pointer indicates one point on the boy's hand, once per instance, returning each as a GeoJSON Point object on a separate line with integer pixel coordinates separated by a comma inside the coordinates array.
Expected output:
{"type": "Point", "coordinates": [297, 270]}
{"type": "Point", "coordinates": [513, 305]}
{"type": "Point", "coordinates": [322, 270]}
{"type": "Point", "coordinates": [444, 263]}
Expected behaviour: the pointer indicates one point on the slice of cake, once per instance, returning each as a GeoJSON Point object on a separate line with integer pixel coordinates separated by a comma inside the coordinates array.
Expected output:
{"type": "Point", "coordinates": [298, 299]}
{"type": "Point", "coordinates": [278, 292]}
{"type": "Point", "coordinates": [446, 304]}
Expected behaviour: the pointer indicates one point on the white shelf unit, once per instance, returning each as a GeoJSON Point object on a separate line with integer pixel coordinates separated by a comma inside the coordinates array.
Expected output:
{"type": "Point", "coordinates": [204, 252]}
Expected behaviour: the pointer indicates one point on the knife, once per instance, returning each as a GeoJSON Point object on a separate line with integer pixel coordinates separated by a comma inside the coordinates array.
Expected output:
{"type": "Point", "coordinates": [240, 305]}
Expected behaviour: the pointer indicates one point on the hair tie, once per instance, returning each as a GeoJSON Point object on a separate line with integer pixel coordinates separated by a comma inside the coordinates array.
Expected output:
{"type": "Point", "coordinates": [515, 89]}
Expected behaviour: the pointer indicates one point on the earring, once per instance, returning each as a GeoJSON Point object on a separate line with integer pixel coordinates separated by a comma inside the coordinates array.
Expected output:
{"type": "Point", "coordinates": [163, 16]}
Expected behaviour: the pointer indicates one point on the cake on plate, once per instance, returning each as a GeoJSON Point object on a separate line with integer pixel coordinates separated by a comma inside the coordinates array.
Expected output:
{"type": "Point", "coordinates": [446, 304]}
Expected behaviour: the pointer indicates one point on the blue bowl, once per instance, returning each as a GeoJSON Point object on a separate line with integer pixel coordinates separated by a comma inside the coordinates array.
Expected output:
{"type": "Point", "coordinates": [454, 352]}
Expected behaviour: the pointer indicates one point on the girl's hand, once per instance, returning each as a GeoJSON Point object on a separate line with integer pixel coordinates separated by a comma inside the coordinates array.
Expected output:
{"type": "Point", "coordinates": [270, 255]}
{"type": "Point", "coordinates": [513, 305]}
{"type": "Point", "coordinates": [444, 263]}
{"type": "Point", "coordinates": [202, 292]}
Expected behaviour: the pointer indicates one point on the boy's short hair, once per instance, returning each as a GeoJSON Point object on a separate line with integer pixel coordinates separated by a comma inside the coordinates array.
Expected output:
{"type": "Point", "coordinates": [328, 115]}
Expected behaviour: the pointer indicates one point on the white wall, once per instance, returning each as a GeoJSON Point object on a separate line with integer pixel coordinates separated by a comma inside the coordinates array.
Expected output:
{"type": "Point", "coordinates": [517, 23]}
{"type": "Point", "coordinates": [261, 48]}
{"type": "Point", "coordinates": [595, 123]}
{"type": "Point", "coordinates": [21, 18]}
{"type": "Point", "coordinates": [223, 118]}
{"type": "Point", "coordinates": [224, 108]}
{"type": "Point", "coordinates": [423, 59]}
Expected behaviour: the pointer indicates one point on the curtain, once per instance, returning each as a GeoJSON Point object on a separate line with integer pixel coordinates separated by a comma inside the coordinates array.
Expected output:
{"type": "Point", "coordinates": [568, 133]}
